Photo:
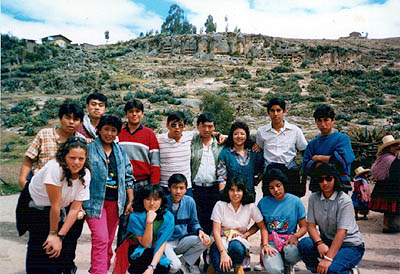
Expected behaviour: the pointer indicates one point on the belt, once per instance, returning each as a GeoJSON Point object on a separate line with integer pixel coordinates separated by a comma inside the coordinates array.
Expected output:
{"type": "Point", "coordinates": [205, 184]}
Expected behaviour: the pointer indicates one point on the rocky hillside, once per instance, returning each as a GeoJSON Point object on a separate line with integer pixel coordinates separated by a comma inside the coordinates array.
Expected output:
{"type": "Point", "coordinates": [361, 78]}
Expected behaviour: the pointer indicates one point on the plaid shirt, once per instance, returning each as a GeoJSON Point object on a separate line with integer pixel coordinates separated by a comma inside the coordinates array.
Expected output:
{"type": "Point", "coordinates": [44, 147]}
{"type": "Point", "coordinates": [222, 172]}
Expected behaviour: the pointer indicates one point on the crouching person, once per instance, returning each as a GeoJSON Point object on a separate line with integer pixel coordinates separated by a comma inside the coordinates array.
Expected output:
{"type": "Point", "coordinates": [338, 245]}
{"type": "Point", "coordinates": [188, 238]}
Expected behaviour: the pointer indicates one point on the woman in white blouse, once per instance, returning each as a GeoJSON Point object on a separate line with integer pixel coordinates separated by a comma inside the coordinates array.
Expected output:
{"type": "Point", "coordinates": [231, 216]}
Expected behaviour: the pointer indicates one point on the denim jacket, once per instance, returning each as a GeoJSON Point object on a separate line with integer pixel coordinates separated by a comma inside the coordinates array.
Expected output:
{"type": "Point", "coordinates": [98, 164]}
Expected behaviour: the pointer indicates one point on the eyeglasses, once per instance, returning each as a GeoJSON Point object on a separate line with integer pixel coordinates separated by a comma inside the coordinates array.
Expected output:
{"type": "Point", "coordinates": [323, 178]}
{"type": "Point", "coordinates": [76, 139]}
{"type": "Point", "coordinates": [180, 125]}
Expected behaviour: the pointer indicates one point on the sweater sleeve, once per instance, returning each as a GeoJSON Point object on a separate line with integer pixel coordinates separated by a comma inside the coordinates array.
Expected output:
{"type": "Point", "coordinates": [194, 221]}
{"type": "Point", "coordinates": [344, 152]}
{"type": "Point", "coordinates": [154, 151]}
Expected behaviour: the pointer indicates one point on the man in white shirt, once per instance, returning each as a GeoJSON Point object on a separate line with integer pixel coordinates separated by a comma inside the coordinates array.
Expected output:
{"type": "Point", "coordinates": [175, 151]}
{"type": "Point", "coordinates": [280, 141]}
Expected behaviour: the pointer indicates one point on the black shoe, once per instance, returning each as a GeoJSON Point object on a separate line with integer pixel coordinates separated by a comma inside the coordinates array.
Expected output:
{"type": "Point", "coordinates": [389, 230]}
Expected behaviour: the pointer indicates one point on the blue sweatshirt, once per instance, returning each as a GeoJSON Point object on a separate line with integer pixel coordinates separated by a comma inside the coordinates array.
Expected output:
{"type": "Point", "coordinates": [186, 221]}
{"type": "Point", "coordinates": [336, 145]}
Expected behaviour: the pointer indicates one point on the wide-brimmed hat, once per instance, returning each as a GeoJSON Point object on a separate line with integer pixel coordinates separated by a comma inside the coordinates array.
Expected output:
{"type": "Point", "coordinates": [388, 140]}
{"type": "Point", "coordinates": [360, 170]}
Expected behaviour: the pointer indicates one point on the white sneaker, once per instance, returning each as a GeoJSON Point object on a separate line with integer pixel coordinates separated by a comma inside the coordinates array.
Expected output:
{"type": "Point", "coordinates": [194, 269]}
{"type": "Point", "coordinates": [355, 270]}
{"type": "Point", "coordinates": [246, 264]}
{"type": "Point", "coordinates": [258, 267]}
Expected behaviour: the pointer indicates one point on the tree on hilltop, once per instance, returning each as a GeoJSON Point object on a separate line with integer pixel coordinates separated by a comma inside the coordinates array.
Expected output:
{"type": "Point", "coordinates": [210, 25]}
{"type": "Point", "coordinates": [176, 23]}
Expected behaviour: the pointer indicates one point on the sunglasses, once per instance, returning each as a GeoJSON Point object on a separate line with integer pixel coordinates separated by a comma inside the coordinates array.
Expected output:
{"type": "Point", "coordinates": [73, 139]}
{"type": "Point", "coordinates": [180, 125]}
{"type": "Point", "coordinates": [323, 178]}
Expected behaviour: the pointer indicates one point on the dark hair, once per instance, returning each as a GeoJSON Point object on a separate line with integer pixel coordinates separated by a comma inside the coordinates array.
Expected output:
{"type": "Point", "coordinates": [176, 116]}
{"type": "Point", "coordinates": [248, 197]}
{"type": "Point", "coordinates": [272, 175]}
{"type": "Point", "coordinates": [110, 120]}
{"type": "Point", "coordinates": [71, 107]}
{"type": "Point", "coordinates": [239, 124]}
{"type": "Point", "coordinates": [324, 111]}
{"type": "Point", "coordinates": [97, 96]}
{"type": "Point", "coordinates": [64, 149]}
{"type": "Point", "coordinates": [133, 104]}
{"type": "Point", "coordinates": [143, 192]}
{"type": "Point", "coordinates": [319, 169]}
{"type": "Point", "coordinates": [206, 117]}
{"type": "Point", "coordinates": [176, 179]}
{"type": "Point", "coordinates": [276, 101]}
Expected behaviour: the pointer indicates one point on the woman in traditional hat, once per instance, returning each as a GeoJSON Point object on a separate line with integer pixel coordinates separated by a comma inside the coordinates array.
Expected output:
{"type": "Point", "coordinates": [383, 198]}
{"type": "Point", "coordinates": [361, 192]}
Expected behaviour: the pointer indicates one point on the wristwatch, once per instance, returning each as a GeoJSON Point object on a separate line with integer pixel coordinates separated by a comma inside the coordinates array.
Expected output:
{"type": "Point", "coordinates": [61, 236]}
{"type": "Point", "coordinates": [152, 266]}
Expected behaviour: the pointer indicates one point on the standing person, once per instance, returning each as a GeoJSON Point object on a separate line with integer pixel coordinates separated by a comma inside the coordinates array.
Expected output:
{"type": "Point", "coordinates": [338, 246]}
{"type": "Point", "coordinates": [175, 151]}
{"type": "Point", "coordinates": [188, 238]}
{"type": "Point", "coordinates": [237, 158]}
{"type": "Point", "coordinates": [151, 224]}
{"type": "Point", "coordinates": [385, 196]}
{"type": "Point", "coordinates": [361, 193]}
{"type": "Point", "coordinates": [44, 148]}
{"type": "Point", "coordinates": [46, 143]}
{"type": "Point", "coordinates": [49, 206]}
{"type": "Point", "coordinates": [96, 105]}
{"type": "Point", "coordinates": [141, 146]}
{"type": "Point", "coordinates": [280, 141]}
{"type": "Point", "coordinates": [231, 216]}
{"type": "Point", "coordinates": [330, 147]}
{"type": "Point", "coordinates": [282, 213]}
{"type": "Point", "coordinates": [110, 187]}
{"type": "Point", "coordinates": [203, 163]}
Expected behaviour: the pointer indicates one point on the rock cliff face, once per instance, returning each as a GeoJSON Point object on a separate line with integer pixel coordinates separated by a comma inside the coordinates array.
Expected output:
{"type": "Point", "coordinates": [338, 54]}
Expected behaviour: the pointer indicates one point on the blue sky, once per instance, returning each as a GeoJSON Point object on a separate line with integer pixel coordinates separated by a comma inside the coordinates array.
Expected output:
{"type": "Point", "coordinates": [86, 20]}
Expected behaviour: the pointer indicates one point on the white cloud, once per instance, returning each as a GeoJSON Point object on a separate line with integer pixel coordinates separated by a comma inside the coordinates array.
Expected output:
{"type": "Point", "coordinates": [86, 20]}
{"type": "Point", "coordinates": [300, 18]}
{"type": "Point", "coordinates": [80, 21]}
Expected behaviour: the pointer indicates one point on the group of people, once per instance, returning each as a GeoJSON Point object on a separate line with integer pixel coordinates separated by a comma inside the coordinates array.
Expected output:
{"type": "Point", "coordinates": [180, 195]}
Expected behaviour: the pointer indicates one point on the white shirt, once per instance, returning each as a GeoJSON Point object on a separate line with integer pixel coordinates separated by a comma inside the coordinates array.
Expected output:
{"type": "Point", "coordinates": [175, 157]}
{"type": "Point", "coordinates": [225, 214]}
{"type": "Point", "coordinates": [51, 174]}
{"type": "Point", "coordinates": [281, 147]}
{"type": "Point", "coordinates": [207, 172]}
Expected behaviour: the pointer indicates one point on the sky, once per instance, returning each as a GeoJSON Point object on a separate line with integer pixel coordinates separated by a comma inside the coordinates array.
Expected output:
{"type": "Point", "coordinates": [85, 21]}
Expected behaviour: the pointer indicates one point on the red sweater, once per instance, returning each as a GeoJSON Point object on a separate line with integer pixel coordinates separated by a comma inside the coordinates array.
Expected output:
{"type": "Point", "coordinates": [143, 151]}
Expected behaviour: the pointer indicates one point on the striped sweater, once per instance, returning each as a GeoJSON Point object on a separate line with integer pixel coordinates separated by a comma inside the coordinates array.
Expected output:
{"type": "Point", "coordinates": [143, 152]}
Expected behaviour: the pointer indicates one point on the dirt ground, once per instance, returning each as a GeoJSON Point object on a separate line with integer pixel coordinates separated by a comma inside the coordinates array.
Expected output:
{"type": "Point", "coordinates": [382, 250]}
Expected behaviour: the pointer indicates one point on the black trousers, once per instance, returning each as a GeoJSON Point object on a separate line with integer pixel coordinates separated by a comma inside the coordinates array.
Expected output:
{"type": "Point", "coordinates": [139, 265]}
{"type": "Point", "coordinates": [205, 198]}
{"type": "Point", "coordinates": [37, 261]}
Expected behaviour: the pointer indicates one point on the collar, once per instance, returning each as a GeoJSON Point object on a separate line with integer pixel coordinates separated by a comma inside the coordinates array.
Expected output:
{"type": "Point", "coordinates": [286, 126]}
{"type": "Point", "coordinates": [332, 198]}
{"type": "Point", "coordinates": [136, 130]}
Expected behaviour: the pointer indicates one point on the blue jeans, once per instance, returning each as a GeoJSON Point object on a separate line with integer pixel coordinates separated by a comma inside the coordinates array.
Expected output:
{"type": "Point", "coordinates": [275, 264]}
{"type": "Point", "coordinates": [236, 251]}
{"type": "Point", "coordinates": [346, 258]}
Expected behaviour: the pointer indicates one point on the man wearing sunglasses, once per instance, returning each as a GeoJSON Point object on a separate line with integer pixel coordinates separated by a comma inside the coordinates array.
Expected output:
{"type": "Point", "coordinates": [330, 147]}
{"type": "Point", "coordinates": [175, 151]}
{"type": "Point", "coordinates": [42, 149]}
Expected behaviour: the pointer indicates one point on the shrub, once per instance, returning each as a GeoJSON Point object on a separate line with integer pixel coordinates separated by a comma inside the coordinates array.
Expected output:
{"type": "Point", "coordinates": [142, 94]}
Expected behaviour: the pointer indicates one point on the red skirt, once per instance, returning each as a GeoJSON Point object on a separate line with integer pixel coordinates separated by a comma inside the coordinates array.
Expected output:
{"type": "Point", "coordinates": [385, 206]}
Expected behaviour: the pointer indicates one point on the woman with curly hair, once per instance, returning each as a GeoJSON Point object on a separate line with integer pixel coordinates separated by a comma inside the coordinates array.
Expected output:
{"type": "Point", "coordinates": [55, 196]}
{"type": "Point", "coordinates": [150, 226]}
{"type": "Point", "coordinates": [237, 158]}
{"type": "Point", "coordinates": [231, 216]}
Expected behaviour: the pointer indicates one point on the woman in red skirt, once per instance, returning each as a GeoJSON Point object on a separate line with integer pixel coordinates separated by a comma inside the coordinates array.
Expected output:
{"type": "Point", "coordinates": [385, 197]}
